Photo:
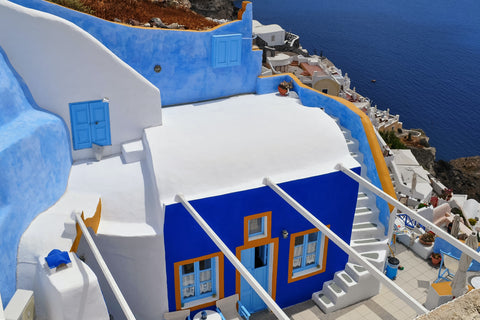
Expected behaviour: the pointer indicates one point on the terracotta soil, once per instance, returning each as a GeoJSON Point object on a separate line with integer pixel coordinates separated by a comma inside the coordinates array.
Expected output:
{"type": "Point", "coordinates": [144, 10]}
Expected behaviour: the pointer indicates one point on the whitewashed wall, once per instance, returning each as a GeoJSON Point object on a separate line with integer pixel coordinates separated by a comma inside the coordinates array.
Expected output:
{"type": "Point", "coordinates": [60, 63]}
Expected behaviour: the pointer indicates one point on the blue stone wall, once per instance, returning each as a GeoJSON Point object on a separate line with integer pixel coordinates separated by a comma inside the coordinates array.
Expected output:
{"type": "Point", "coordinates": [185, 57]}
{"type": "Point", "coordinates": [35, 163]}
{"type": "Point", "coordinates": [330, 197]}
{"type": "Point", "coordinates": [348, 119]}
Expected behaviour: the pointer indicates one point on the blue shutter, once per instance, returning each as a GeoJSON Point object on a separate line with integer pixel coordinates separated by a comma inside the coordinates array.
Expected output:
{"type": "Point", "coordinates": [100, 123]}
{"type": "Point", "coordinates": [226, 50]}
{"type": "Point", "coordinates": [80, 121]}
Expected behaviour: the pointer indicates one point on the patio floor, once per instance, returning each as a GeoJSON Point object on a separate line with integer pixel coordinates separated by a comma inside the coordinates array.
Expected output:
{"type": "Point", "coordinates": [415, 279]}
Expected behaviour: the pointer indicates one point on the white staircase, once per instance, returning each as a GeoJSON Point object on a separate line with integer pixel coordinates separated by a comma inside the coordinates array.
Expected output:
{"type": "Point", "coordinates": [355, 283]}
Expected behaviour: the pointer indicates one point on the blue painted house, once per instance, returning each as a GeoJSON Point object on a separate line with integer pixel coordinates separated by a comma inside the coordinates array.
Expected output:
{"type": "Point", "coordinates": [215, 153]}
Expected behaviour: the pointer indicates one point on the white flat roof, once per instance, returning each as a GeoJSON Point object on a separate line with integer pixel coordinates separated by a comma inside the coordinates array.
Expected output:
{"type": "Point", "coordinates": [260, 29]}
{"type": "Point", "coordinates": [228, 145]}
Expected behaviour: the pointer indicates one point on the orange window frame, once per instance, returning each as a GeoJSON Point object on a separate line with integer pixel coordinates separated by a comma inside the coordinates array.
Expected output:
{"type": "Point", "coordinates": [291, 278]}
{"type": "Point", "coordinates": [178, 291]}
{"type": "Point", "coordinates": [268, 226]}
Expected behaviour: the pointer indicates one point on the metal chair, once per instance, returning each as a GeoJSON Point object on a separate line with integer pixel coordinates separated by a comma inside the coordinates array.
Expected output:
{"type": "Point", "coordinates": [227, 308]}
{"type": "Point", "coordinates": [451, 265]}
{"type": "Point", "coordinates": [177, 315]}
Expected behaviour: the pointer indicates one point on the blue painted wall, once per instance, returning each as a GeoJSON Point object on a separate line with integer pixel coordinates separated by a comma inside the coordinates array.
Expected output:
{"type": "Point", "coordinates": [35, 163]}
{"type": "Point", "coordinates": [187, 72]}
{"type": "Point", "coordinates": [348, 119]}
{"type": "Point", "coordinates": [331, 197]}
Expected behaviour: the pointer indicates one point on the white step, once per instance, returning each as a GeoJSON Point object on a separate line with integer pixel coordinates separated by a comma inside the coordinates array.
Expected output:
{"type": "Point", "coordinates": [323, 302]}
{"type": "Point", "coordinates": [346, 133]}
{"type": "Point", "coordinates": [364, 200]}
{"type": "Point", "coordinates": [333, 291]}
{"type": "Point", "coordinates": [355, 291]}
{"type": "Point", "coordinates": [344, 280]}
{"type": "Point", "coordinates": [368, 229]}
{"type": "Point", "coordinates": [352, 144]}
{"type": "Point", "coordinates": [357, 272]}
{"type": "Point", "coordinates": [377, 258]}
{"type": "Point", "coordinates": [369, 244]}
{"type": "Point", "coordinates": [357, 156]}
{"type": "Point", "coordinates": [133, 151]}
{"type": "Point", "coordinates": [364, 214]}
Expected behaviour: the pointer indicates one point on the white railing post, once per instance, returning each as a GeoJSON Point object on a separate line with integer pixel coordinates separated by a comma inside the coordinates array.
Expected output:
{"type": "Point", "coordinates": [404, 209]}
{"type": "Point", "coordinates": [103, 266]}
{"type": "Point", "coordinates": [233, 259]}
{"type": "Point", "coordinates": [346, 248]}
{"type": "Point", "coordinates": [391, 223]}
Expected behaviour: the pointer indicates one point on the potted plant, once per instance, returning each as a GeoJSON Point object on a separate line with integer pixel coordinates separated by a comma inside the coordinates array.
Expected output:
{"type": "Point", "coordinates": [427, 239]}
{"type": "Point", "coordinates": [436, 258]}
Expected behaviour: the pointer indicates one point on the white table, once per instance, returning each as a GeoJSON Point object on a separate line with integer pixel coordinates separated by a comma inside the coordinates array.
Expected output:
{"type": "Point", "coordinates": [475, 282]}
{"type": "Point", "coordinates": [211, 315]}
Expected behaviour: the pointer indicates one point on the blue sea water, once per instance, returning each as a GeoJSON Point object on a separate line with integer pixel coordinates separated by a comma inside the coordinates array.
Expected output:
{"type": "Point", "coordinates": [425, 56]}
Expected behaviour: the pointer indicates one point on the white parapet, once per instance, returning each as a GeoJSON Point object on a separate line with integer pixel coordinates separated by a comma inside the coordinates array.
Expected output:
{"type": "Point", "coordinates": [69, 292]}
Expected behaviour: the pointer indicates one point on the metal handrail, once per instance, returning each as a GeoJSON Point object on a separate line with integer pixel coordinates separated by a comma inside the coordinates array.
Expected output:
{"type": "Point", "coordinates": [103, 266]}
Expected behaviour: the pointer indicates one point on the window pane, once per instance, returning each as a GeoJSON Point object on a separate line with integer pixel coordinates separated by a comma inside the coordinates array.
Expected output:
{"type": "Point", "coordinates": [297, 263]}
{"type": "Point", "coordinates": [205, 264]}
{"type": "Point", "coordinates": [312, 247]}
{"type": "Point", "coordinates": [255, 226]}
{"type": "Point", "coordinates": [313, 237]}
{"type": "Point", "coordinates": [205, 287]}
{"type": "Point", "coordinates": [298, 240]}
{"type": "Point", "coordinates": [205, 275]}
{"type": "Point", "coordinates": [187, 268]}
{"type": "Point", "coordinates": [188, 292]}
{"type": "Point", "coordinates": [298, 251]}
{"type": "Point", "coordinates": [310, 259]}
{"type": "Point", "coordinates": [188, 279]}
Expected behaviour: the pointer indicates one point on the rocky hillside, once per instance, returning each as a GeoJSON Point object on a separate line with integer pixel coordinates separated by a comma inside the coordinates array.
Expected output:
{"type": "Point", "coordinates": [462, 175]}
{"type": "Point", "coordinates": [217, 9]}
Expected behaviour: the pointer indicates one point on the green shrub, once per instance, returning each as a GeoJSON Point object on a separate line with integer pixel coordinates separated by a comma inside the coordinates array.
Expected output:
{"type": "Point", "coordinates": [75, 5]}
{"type": "Point", "coordinates": [472, 221]}
{"type": "Point", "coordinates": [392, 140]}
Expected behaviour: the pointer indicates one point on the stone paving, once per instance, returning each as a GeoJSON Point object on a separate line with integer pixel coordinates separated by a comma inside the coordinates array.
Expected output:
{"type": "Point", "coordinates": [415, 279]}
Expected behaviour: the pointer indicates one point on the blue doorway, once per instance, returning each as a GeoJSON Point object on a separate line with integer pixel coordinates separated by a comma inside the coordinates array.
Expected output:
{"type": "Point", "coordinates": [257, 262]}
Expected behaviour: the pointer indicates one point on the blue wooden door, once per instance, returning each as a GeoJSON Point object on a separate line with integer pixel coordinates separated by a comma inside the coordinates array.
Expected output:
{"type": "Point", "coordinates": [80, 120]}
{"type": "Point", "coordinates": [90, 124]}
{"type": "Point", "coordinates": [256, 260]}
{"type": "Point", "coordinates": [100, 124]}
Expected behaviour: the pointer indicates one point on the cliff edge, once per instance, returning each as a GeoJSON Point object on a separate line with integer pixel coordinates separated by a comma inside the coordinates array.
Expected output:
{"type": "Point", "coordinates": [462, 175]}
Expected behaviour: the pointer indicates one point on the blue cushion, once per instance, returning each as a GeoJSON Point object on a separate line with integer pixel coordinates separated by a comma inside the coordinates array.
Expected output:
{"type": "Point", "coordinates": [56, 258]}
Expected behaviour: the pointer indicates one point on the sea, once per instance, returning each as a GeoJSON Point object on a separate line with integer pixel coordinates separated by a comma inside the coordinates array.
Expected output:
{"type": "Point", "coordinates": [424, 56]}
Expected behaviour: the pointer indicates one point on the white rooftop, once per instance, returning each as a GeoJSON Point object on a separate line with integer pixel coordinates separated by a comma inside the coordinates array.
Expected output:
{"type": "Point", "coordinates": [229, 145]}
{"type": "Point", "coordinates": [408, 166]}
{"type": "Point", "coordinates": [259, 28]}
